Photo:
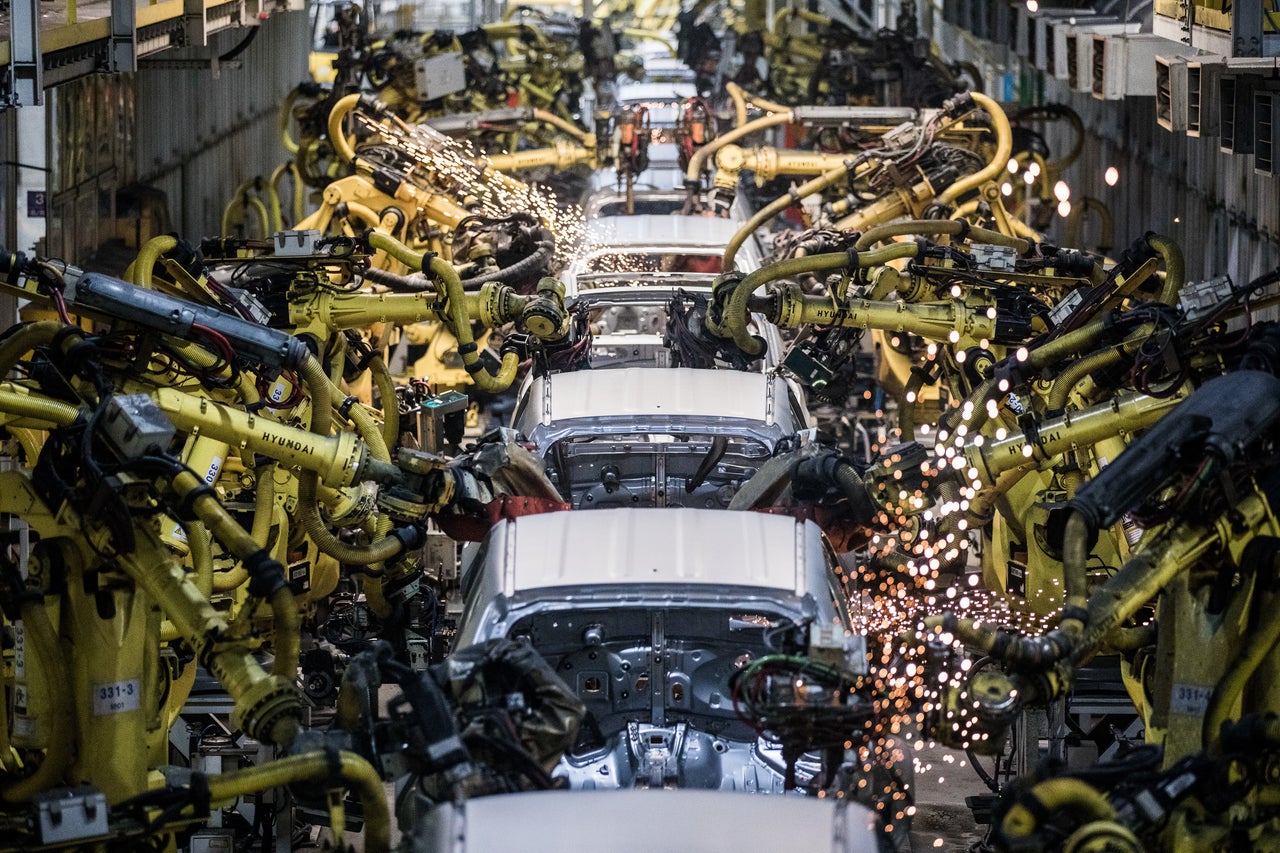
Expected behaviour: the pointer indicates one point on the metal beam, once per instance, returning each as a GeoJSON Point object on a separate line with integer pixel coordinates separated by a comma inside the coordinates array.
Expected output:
{"type": "Point", "coordinates": [22, 82]}
{"type": "Point", "coordinates": [123, 54]}
{"type": "Point", "coordinates": [1246, 28]}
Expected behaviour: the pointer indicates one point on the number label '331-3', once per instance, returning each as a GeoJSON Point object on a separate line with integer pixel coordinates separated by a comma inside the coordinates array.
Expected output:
{"type": "Point", "coordinates": [117, 697]}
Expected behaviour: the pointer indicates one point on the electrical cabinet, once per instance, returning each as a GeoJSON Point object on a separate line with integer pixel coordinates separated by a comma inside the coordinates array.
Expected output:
{"type": "Point", "coordinates": [1125, 65]}
{"type": "Point", "coordinates": [1066, 37]}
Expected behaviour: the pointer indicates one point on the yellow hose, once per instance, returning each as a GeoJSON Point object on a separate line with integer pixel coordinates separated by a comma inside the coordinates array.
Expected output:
{"type": "Point", "coordinates": [739, 103]}
{"type": "Point", "coordinates": [646, 35]}
{"type": "Point", "coordinates": [264, 500]}
{"type": "Point", "coordinates": [1174, 267]}
{"type": "Point", "coordinates": [198, 540]}
{"type": "Point", "coordinates": [390, 402]}
{"type": "Point", "coordinates": [44, 647]}
{"type": "Point", "coordinates": [1260, 642]}
{"type": "Point", "coordinates": [775, 207]}
{"type": "Point", "coordinates": [201, 357]}
{"type": "Point", "coordinates": [563, 124]}
{"type": "Point", "coordinates": [139, 272]}
{"type": "Point", "coordinates": [1068, 345]}
{"type": "Point", "coordinates": [286, 116]}
{"type": "Point", "coordinates": [31, 336]}
{"type": "Point", "coordinates": [337, 138]}
{"type": "Point", "coordinates": [287, 635]}
{"type": "Point", "coordinates": [939, 226]}
{"type": "Point", "coordinates": [1078, 212]}
{"type": "Point", "coordinates": [299, 192]}
{"type": "Point", "coordinates": [785, 12]}
{"type": "Point", "coordinates": [314, 767]}
{"type": "Point", "coordinates": [765, 104]}
{"type": "Point", "coordinates": [241, 199]}
{"type": "Point", "coordinates": [45, 409]}
{"type": "Point", "coordinates": [693, 174]}
{"type": "Point", "coordinates": [273, 198]}
{"type": "Point", "coordinates": [264, 219]}
{"type": "Point", "coordinates": [1068, 379]}
{"type": "Point", "coordinates": [447, 280]}
{"type": "Point", "coordinates": [907, 409]}
{"type": "Point", "coordinates": [1004, 147]}
{"type": "Point", "coordinates": [1055, 795]}
{"type": "Point", "coordinates": [308, 511]}
{"type": "Point", "coordinates": [30, 443]}
{"type": "Point", "coordinates": [1075, 571]}
{"type": "Point", "coordinates": [737, 311]}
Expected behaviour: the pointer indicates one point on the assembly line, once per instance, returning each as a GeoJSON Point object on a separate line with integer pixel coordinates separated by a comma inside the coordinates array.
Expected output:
{"type": "Point", "coordinates": [654, 426]}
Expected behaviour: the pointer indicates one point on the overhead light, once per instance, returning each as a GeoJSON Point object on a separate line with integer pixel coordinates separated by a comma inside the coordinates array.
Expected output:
{"type": "Point", "coordinates": [1111, 176]}
{"type": "Point", "coordinates": [1033, 6]}
{"type": "Point", "coordinates": [1061, 191]}
{"type": "Point", "coordinates": [1013, 167]}
{"type": "Point", "coordinates": [1006, 188]}
{"type": "Point", "coordinates": [1064, 208]}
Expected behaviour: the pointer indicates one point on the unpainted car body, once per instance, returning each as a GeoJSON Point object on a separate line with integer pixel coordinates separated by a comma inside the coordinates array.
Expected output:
{"type": "Point", "coordinates": [657, 243]}
{"type": "Point", "coordinates": [647, 614]}
{"type": "Point", "coordinates": [636, 436]}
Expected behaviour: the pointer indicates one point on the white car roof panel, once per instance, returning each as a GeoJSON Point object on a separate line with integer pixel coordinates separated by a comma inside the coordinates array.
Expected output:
{"type": "Point", "coordinates": [657, 546]}
{"type": "Point", "coordinates": [675, 392]}
{"type": "Point", "coordinates": [710, 234]}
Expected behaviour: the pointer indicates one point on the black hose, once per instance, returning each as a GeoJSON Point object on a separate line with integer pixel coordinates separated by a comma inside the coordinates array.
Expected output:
{"type": "Point", "coordinates": [719, 445]}
{"type": "Point", "coordinates": [242, 46]}
{"type": "Point", "coordinates": [517, 270]}
{"type": "Point", "coordinates": [850, 481]}
{"type": "Point", "coordinates": [416, 283]}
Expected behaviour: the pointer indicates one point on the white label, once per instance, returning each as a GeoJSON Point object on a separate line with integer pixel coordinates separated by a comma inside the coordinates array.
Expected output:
{"type": "Point", "coordinates": [24, 727]}
{"type": "Point", "coordinates": [214, 468]}
{"type": "Point", "coordinates": [117, 697]}
{"type": "Point", "coordinates": [277, 391]}
{"type": "Point", "coordinates": [19, 650]}
{"type": "Point", "coordinates": [20, 699]}
{"type": "Point", "coordinates": [178, 533]}
{"type": "Point", "coordinates": [1190, 699]}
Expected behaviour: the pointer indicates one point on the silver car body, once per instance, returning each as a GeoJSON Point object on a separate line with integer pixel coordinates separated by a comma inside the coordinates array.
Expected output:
{"type": "Point", "coordinates": [651, 242]}
{"type": "Point", "coordinates": [637, 436]}
{"type": "Point", "coordinates": [628, 314]}
{"type": "Point", "coordinates": [663, 100]}
{"type": "Point", "coordinates": [647, 613]}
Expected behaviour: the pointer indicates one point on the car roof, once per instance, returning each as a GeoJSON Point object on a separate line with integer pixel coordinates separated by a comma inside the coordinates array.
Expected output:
{"type": "Point", "coordinates": [667, 546]}
{"type": "Point", "coordinates": [628, 400]}
{"type": "Point", "coordinates": [666, 235]}
{"type": "Point", "coordinates": [656, 93]}
{"type": "Point", "coordinates": [703, 233]}
{"type": "Point", "coordinates": [547, 821]}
